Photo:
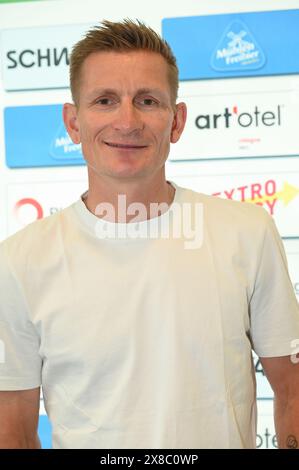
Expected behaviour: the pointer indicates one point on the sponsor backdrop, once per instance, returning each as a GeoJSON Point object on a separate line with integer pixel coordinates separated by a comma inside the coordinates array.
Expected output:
{"type": "Point", "coordinates": [239, 75]}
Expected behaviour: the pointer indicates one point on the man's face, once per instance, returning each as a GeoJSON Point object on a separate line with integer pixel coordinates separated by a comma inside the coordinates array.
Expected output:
{"type": "Point", "coordinates": [125, 119]}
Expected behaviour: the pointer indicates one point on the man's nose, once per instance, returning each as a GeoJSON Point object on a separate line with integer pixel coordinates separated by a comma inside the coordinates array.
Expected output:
{"type": "Point", "coordinates": [128, 118]}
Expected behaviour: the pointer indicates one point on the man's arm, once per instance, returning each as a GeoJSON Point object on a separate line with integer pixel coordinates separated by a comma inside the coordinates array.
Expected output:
{"type": "Point", "coordinates": [283, 375]}
{"type": "Point", "coordinates": [19, 411]}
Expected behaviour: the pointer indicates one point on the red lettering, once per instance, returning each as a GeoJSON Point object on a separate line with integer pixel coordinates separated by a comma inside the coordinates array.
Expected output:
{"type": "Point", "coordinates": [270, 187]}
{"type": "Point", "coordinates": [229, 194]}
{"type": "Point", "coordinates": [242, 189]}
{"type": "Point", "coordinates": [271, 205]}
{"type": "Point", "coordinates": [256, 191]}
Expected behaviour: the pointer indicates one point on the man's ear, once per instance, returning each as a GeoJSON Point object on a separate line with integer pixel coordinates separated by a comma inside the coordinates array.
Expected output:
{"type": "Point", "coordinates": [70, 120]}
{"type": "Point", "coordinates": [179, 121]}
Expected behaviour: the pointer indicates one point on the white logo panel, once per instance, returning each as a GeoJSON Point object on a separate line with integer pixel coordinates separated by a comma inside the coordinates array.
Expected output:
{"type": "Point", "coordinates": [38, 58]}
{"type": "Point", "coordinates": [292, 251]}
{"type": "Point", "coordinates": [278, 193]}
{"type": "Point", "coordinates": [238, 125]}
{"type": "Point", "coordinates": [29, 202]}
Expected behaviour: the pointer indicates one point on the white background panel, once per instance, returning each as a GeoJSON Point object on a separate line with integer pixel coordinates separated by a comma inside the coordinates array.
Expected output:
{"type": "Point", "coordinates": [278, 193]}
{"type": "Point", "coordinates": [266, 436]}
{"type": "Point", "coordinates": [240, 118]}
{"type": "Point", "coordinates": [54, 188]}
{"type": "Point", "coordinates": [292, 252]}
{"type": "Point", "coordinates": [30, 46]}
{"type": "Point", "coordinates": [263, 387]}
{"type": "Point", "coordinates": [26, 202]}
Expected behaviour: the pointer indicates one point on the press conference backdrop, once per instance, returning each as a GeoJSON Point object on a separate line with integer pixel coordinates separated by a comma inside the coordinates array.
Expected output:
{"type": "Point", "coordinates": [239, 75]}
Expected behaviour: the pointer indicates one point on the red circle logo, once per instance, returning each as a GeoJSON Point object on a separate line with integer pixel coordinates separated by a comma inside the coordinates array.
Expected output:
{"type": "Point", "coordinates": [32, 202]}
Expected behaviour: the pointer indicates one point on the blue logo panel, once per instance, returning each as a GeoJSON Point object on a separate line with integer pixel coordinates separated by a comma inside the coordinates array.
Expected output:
{"type": "Point", "coordinates": [234, 45]}
{"type": "Point", "coordinates": [45, 432]}
{"type": "Point", "coordinates": [35, 136]}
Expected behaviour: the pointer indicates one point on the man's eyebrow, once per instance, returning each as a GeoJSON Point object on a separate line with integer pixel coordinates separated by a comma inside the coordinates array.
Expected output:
{"type": "Point", "coordinates": [102, 91]}
{"type": "Point", "coordinates": [112, 91]}
{"type": "Point", "coordinates": [144, 91]}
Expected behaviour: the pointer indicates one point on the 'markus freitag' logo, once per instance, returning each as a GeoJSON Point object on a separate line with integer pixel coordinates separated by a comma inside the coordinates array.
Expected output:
{"type": "Point", "coordinates": [62, 146]}
{"type": "Point", "coordinates": [237, 50]}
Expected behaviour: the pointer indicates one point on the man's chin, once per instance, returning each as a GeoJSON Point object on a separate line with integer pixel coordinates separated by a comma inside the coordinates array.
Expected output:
{"type": "Point", "coordinates": [128, 172]}
{"type": "Point", "coordinates": [128, 175]}
{"type": "Point", "coordinates": [120, 172]}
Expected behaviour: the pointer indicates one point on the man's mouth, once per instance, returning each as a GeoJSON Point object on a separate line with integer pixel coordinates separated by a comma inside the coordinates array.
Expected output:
{"type": "Point", "coordinates": [125, 146]}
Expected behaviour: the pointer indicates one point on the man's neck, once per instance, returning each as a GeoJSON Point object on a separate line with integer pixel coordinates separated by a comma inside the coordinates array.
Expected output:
{"type": "Point", "coordinates": [120, 194]}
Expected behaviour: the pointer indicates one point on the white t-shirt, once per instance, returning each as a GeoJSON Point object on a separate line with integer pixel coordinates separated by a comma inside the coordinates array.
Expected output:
{"type": "Point", "coordinates": [142, 342]}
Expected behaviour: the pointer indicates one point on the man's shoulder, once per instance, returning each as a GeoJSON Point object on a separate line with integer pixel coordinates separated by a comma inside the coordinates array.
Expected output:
{"type": "Point", "coordinates": [36, 235]}
{"type": "Point", "coordinates": [227, 209]}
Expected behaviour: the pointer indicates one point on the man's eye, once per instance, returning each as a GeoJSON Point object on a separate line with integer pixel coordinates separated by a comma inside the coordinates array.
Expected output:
{"type": "Point", "coordinates": [104, 101]}
{"type": "Point", "coordinates": [148, 102]}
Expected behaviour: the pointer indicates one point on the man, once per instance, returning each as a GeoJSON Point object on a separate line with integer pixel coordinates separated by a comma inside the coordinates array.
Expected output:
{"type": "Point", "coordinates": [138, 339]}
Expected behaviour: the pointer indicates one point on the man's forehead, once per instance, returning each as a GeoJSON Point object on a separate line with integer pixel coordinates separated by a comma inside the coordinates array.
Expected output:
{"type": "Point", "coordinates": [135, 61]}
{"type": "Point", "coordinates": [110, 76]}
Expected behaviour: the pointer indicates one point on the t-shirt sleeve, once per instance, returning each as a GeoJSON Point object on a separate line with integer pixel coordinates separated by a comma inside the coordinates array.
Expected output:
{"type": "Point", "coordinates": [274, 310]}
{"type": "Point", "coordinates": [20, 362]}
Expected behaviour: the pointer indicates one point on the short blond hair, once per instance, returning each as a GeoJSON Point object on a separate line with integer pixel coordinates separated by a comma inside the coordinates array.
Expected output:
{"type": "Point", "coordinates": [122, 36]}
